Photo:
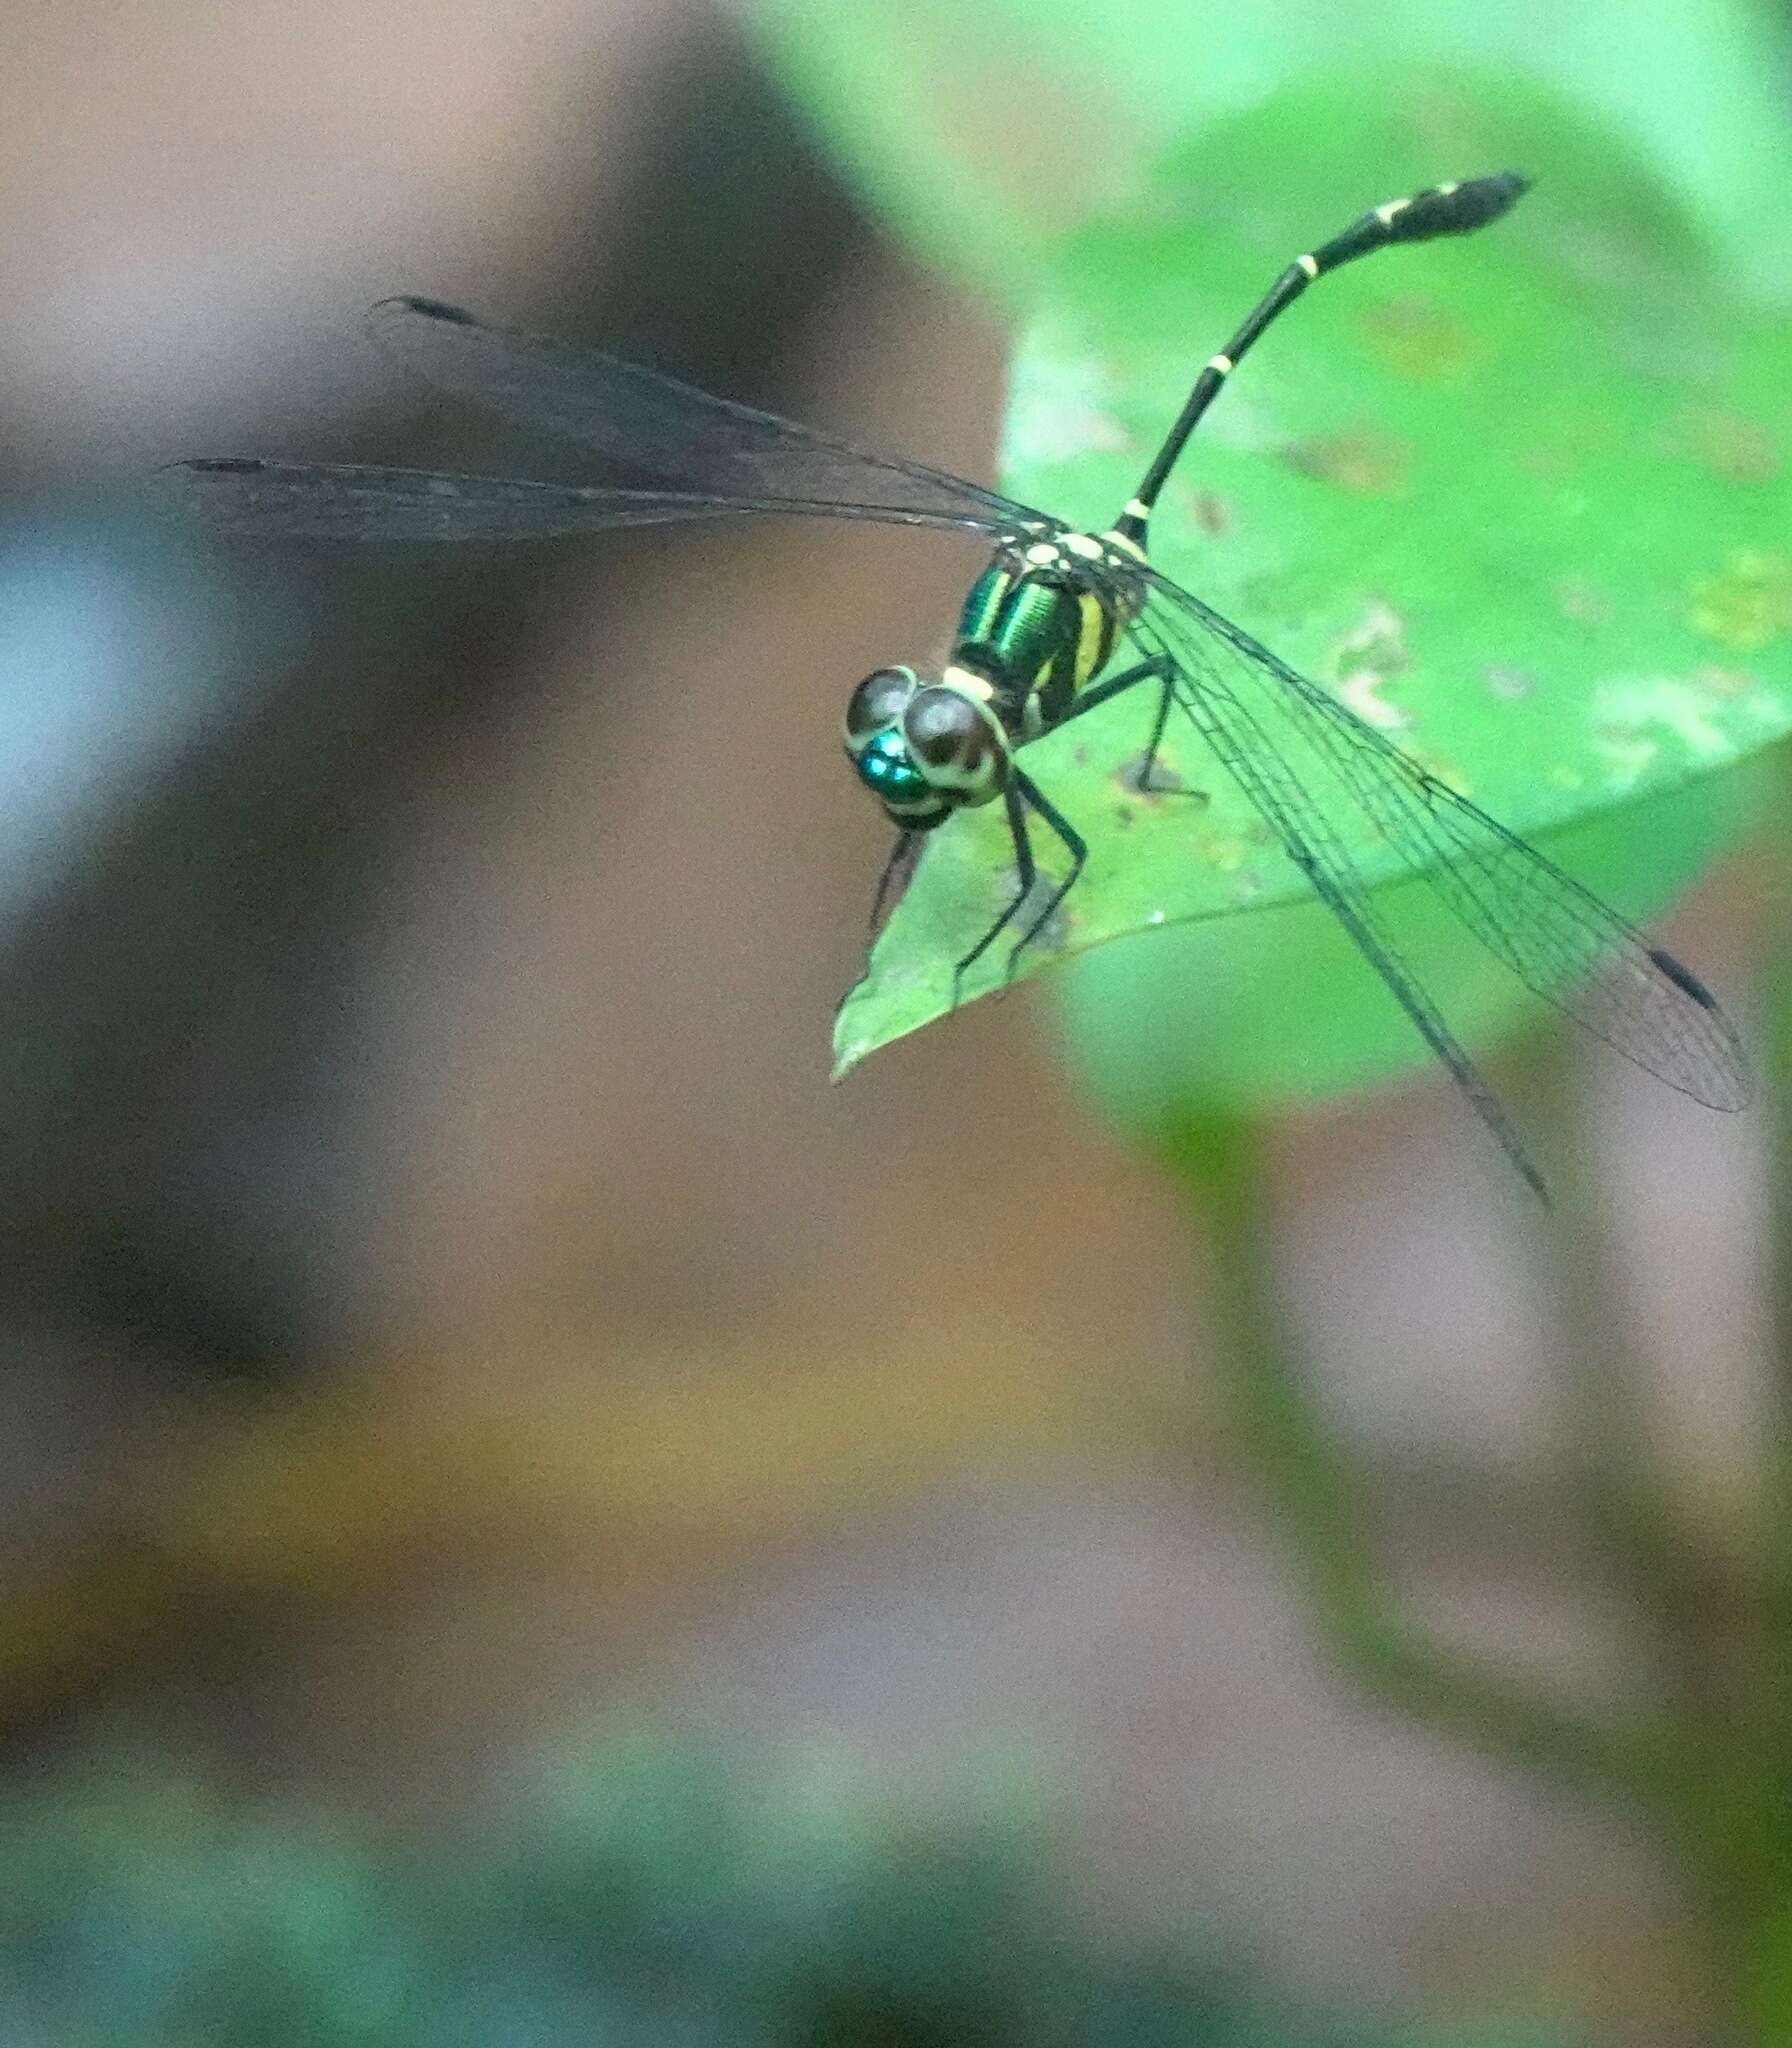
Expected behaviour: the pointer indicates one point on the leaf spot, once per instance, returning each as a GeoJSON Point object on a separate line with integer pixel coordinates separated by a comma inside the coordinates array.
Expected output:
{"type": "Point", "coordinates": [1363, 460]}
{"type": "Point", "coordinates": [1739, 450]}
{"type": "Point", "coordinates": [1747, 602]}
{"type": "Point", "coordinates": [1507, 680]}
{"type": "Point", "coordinates": [1362, 659]}
{"type": "Point", "coordinates": [1416, 338]}
{"type": "Point", "coordinates": [1582, 602]}
{"type": "Point", "coordinates": [1636, 719]}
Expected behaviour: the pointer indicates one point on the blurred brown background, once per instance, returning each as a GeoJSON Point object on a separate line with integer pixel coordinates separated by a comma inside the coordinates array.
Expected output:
{"type": "Point", "coordinates": [444, 1295]}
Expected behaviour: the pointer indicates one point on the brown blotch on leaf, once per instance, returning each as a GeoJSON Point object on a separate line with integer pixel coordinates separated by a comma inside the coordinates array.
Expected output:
{"type": "Point", "coordinates": [1739, 450]}
{"type": "Point", "coordinates": [1362, 460]}
{"type": "Point", "coordinates": [1416, 338]}
{"type": "Point", "coordinates": [1164, 779]}
{"type": "Point", "coordinates": [1210, 512]}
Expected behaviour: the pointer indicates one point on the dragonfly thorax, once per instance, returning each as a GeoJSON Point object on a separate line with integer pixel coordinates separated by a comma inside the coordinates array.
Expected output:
{"type": "Point", "coordinates": [1041, 622]}
{"type": "Point", "coordinates": [923, 748]}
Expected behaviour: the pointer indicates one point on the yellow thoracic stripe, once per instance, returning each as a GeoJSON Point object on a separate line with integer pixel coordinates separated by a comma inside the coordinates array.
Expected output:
{"type": "Point", "coordinates": [1094, 638]}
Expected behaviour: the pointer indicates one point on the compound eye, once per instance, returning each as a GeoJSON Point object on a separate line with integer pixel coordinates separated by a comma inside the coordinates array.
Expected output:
{"type": "Point", "coordinates": [878, 703]}
{"type": "Point", "coordinates": [955, 743]}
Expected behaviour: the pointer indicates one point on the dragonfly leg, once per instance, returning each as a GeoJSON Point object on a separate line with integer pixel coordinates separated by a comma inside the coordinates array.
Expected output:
{"type": "Point", "coordinates": [899, 858]}
{"type": "Point", "coordinates": [1159, 666]}
{"type": "Point", "coordinates": [1163, 671]}
{"type": "Point", "coordinates": [899, 853]}
{"type": "Point", "coordinates": [1017, 793]}
{"type": "Point", "coordinates": [1075, 845]}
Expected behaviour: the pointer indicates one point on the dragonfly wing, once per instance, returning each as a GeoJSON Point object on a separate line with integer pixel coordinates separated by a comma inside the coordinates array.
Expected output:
{"type": "Point", "coordinates": [1271, 775]}
{"type": "Point", "coordinates": [671, 430]}
{"type": "Point", "coordinates": [352, 502]}
{"type": "Point", "coordinates": [1310, 760]}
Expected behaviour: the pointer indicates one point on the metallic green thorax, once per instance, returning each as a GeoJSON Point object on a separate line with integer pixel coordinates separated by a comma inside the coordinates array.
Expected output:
{"type": "Point", "coordinates": [984, 602]}
{"type": "Point", "coordinates": [1032, 634]}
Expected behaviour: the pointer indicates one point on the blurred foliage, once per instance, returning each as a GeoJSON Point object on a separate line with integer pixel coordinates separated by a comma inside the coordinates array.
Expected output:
{"type": "Point", "coordinates": [1504, 495]}
{"type": "Point", "coordinates": [1523, 502]}
{"type": "Point", "coordinates": [982, 130]}
{"type": "Point", "coordinates": [652, 1893]}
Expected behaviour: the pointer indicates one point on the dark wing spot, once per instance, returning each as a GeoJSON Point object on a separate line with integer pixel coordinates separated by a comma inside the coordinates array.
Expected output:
{"type": "Point", "coordinates": [435, 309]}
{"type": "Point", "coordinates": [1683, 978]}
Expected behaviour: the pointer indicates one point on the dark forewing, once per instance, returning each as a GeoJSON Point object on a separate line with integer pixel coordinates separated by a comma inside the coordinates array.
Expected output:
{"type": "Point", "coordinates": [1305, 761]}
{"type": "Point", "coordinates": [670, 430]}
{"type": "Point", "coordinates": [351, 502]}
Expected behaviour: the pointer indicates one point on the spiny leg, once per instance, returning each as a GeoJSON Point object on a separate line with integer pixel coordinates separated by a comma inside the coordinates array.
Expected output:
{"type": "Point", "coordinates": [1440, 210]}
{"type": "Point", "coordinates": [1161, 669]}
{"type": "Point", "coordinates": [1022, 794]}
{"type": "Point", "coordinates": [899, 854]}
{"type": "Point", "coordinates": [1029, 793]}
{"type": "Point", "coordinates": [1027, 872]}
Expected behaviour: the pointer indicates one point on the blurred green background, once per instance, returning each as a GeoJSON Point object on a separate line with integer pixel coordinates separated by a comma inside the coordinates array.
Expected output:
{"type": "Point", "coordinates": [533, 1518]}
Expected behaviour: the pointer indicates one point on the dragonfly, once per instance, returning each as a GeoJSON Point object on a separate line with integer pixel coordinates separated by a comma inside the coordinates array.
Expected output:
{"type": "Point", "coordinates": [1061, 622]}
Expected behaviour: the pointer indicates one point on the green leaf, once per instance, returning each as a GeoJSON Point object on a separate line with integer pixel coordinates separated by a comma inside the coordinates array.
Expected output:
{"type": "Point", "coordinates": [1522, 499]}
{"type": "Point", "coordinates": [981, 131]}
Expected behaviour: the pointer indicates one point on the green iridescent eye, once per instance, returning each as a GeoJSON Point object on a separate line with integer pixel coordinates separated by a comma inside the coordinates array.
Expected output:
{"type": "Point", "coordinates": [888, 770]}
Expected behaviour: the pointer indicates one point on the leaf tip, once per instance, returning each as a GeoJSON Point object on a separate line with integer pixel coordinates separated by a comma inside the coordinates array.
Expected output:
{"type": "Point", "coordinates": [850, 1045]}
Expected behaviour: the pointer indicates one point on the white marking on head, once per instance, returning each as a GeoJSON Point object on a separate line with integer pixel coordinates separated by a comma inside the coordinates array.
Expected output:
{"type": "Point", "coordinates": [1043, 552]}
{"type": "Point", "coordinates": [1084, 544]}
{"type": "Point", "coordinates": [967, 683]}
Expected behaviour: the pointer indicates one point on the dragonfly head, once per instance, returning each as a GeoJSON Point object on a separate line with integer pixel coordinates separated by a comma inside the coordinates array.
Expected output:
{"type": "Point", "coordinates": [925, 749]}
